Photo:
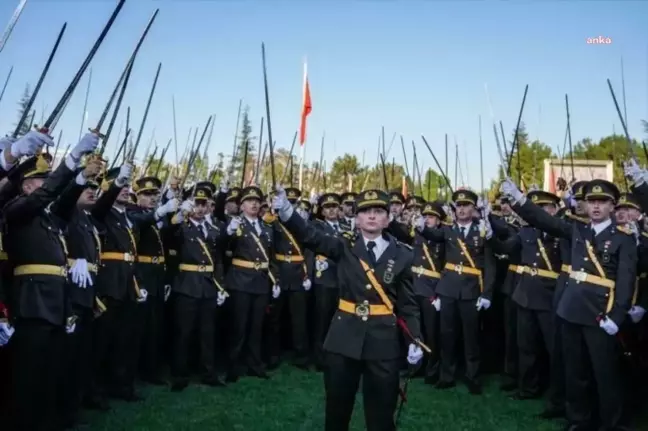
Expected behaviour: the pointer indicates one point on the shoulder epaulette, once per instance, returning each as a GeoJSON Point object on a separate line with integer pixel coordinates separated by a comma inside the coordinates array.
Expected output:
{"type": "Point", "coordinates": [351, 236]}
{"type": "Point", "coordinates": [407, 246]}
{"type": "Point", "coordinates": [577, 218]}
{"type": "Point", "coordinates": [445, 223]}
{"type": "Point", "coordinates": [644, 234]}
{"type": "Point", "coordinates": [496, 213]}
{"type": "Point", "coordinates": [624, 229]}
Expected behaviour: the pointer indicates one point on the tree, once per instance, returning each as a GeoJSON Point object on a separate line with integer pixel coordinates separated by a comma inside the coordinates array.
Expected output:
{"type": "Point", "coordinates": [530, 155]}
{"type": "Point", "coordinates": [644, 123]}
{"type": "Point", "coordinates": [245, 138]}
{"type": "Point", "coordinates": [23, 105]}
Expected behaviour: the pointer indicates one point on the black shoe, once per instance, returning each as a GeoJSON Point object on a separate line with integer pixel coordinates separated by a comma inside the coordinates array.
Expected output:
{"type": "Point", "coordinates": [431, 380]}
{"type": "Point", "coordinates": [274, 363]}
{"type": "Point", "coordinates": [522, 396]}
{"type": "Point", "coordinates": [445, 385]}
{"type": "Point", "coordinates": [179, 385]}
{"type": "Point", "coordinates": [474, 388]}
{"type": "Point", "coordinates": [213, 380]}
{"type": "Point", "coordinates": [508, 386]}
{"type": "Point", "coordinates": [552, 413]}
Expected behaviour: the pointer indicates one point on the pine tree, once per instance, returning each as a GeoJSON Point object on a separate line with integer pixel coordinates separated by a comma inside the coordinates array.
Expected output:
{"type": "Point", "coordinates": [22, 107]}
{"type": "Point", "coordinates": [244, 138]}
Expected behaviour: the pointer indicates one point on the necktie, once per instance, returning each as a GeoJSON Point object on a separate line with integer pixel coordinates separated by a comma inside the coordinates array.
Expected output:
{"type": "Point", "coordinates": [203, 229]}
{"type": "Point", "coordinates": [463, 232]}
{"type": "Point", "coordinates": [256, 227]}
{"type": "Point", "coordinates": [335, 228]}
{"type": "Point", "coordinates": [370, 249]}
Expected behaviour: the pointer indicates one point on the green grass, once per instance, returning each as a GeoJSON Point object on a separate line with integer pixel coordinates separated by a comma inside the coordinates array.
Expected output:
{"type": "Point", "coordinates": [293, 400]}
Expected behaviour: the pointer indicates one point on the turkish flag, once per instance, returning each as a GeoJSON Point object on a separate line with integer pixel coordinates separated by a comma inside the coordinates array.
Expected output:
{"type": "Point", "coordinates": [307, 107]}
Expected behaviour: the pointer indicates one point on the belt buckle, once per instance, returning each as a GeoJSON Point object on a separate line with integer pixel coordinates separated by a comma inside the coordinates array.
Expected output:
{"type": "Point", "coordinates": [288, 259]}
{"type": "Point", "coordinates": [64, 271]}
{"type": "Point", "coordinates": [459, 269]}
{"type": "Point", "coordinates": [202, 268]}
{"type": "Point", "coordinates": [533, 272]}
{"type": "Point", "coordinates": [257, 266]}
{"type": "Point", "coordinates": [155, 259]}
{"type": "Point", "coordinates": [519, 269]}
{"type": "Point", "coordinates": [580, 275]}
{"type": "Point", "coordinates": [362, 310]}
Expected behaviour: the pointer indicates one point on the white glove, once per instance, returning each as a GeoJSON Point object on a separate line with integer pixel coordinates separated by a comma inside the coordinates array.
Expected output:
{"type": "Point", "coordinates": [233, 225]}
{"type": "Point", "coordinates": [314, 198]}
{"type": "Point", "coordinates": [6, 142]}
{"type": "Point", "coordinates": [321, 265]}
{"type": "Point", "coordinates": [414, 354]}
{"type": "Point", "coordinates": [437, 304]}
{"type": "Point", "coordinates": [418, 222]}
{"type": "Point", "coordinates": [224, 185]}
{"type": "Point", "coordinates": [143, 296]}
{"type": "Point", "coordinates": [569, 198]}
{"type": "Point", "coordinates": [167, 292]}
{"type": "Point", "coordinates": [508, 188]}
{"type": "Point", "coordinates": [307, 284]}
{"type": "Point", "coordinates": [485, 226]}
{"type": "Point", "coordinates": [86, 145]}
{"type": "Point", "coordinates": [281, 204]}
{"type": "Point", "coordinates": [167, 208]}
{"type": "Point", "coordinates": [80, 275]}
{"type": "Point", "coordinates": [480, 203]}
{"type": "Point", "coordinates": [608, 326]}
{"type": "Point", "coordinates": [276, 291]}
{"type": "Point", "coordinates": [70, 328]}
{"type": "Point", "coordinates": [169, 194]}
{"type": "Point", "coordinates": [636, 313]}
{"type": "Point", "coordinates": [124, 176]}
{"type": "Point", "coordinates": [220, 298]}
{"type": "Point", "coordinates": [483, 303]}
{"type": "Point", "coordinates": [6, 331]}
{"type": "Point", "coordinates": [187, 206]}
{"type": "Point", "coordinates": [30, 144]}
{"type": "Point", "coordinates": [634, 172]}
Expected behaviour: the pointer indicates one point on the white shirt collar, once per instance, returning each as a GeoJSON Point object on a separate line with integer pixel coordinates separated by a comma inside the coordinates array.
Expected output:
{"type": "Point", "coordinates": [381, 245]}
{"type": "Point", "coordinates": [333, 224]}
{"type": "Point", "coordinates": [600, 227]}
{"type": "Point", "coordinates": [252, 221]}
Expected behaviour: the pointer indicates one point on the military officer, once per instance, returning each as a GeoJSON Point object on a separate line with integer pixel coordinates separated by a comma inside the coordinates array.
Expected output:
{"type": "Point", "coordinates": [198, 288]}
{"type": "Point", "coordinates": [465, 287]}
{"type": "Point", "coordinates": [595, 302]}
{"type": "Point", "coordinates": [250, 279]}
{"type": "Point", "coordinates": [39, 257]}
{"type": "Point", "coordinates": [538, 270]}
{"type": "Point", "coordinates": [325, 279]}
{"type": "Point", "coordinates": [295, 282]}
{"type": "Point", "coordinates": [426, 266]}
{"type": "Point", "coordinates": [347, 218]}
{"type": "Point", "coordinates": [363, 340]}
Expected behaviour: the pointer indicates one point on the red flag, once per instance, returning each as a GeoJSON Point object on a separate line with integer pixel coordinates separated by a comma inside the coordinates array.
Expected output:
{"type": "Point", "coordinates": [307, 107]}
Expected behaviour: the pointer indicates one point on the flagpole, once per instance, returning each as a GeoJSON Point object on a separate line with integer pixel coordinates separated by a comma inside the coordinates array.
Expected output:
{"type": "Point", "coordinates": [302, 143]}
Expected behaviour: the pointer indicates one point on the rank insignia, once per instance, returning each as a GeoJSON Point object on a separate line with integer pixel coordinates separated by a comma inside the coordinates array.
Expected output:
{"type": "Point", "coordinates": [388, 277]}
{"type": "Point", "coordinates": [239, 232]}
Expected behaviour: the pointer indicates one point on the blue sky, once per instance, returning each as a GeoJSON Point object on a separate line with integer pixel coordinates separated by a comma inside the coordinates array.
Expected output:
{"type": "Point", "coordinates": [411, 66]}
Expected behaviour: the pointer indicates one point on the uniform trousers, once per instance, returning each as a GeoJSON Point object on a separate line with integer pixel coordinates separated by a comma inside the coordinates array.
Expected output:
{"type": "Point", "coordinates": [510, 338]}
{"type": "Point", "coordinates": [326, 303]}
{"type": "Point", "coordinates": [535, 334]}
{"type": "Point", "coordinates": [37, 348]}
{"type": "Point", "coordinates": [150, 363]}
{"type": "Point", "coordinates": [296, 302]}
{"type": "Point", "coordinates": [76, 368]}
{"type": "Point", "coordinates": [380, 385]}
{"type": "Point", "coordinates": [248, 312]}
{"type": "Point", "coordinates": [430, 330]}
{"type": "Point", "coordinates": [463, 312]}
{"type": "Point", "coordinates": [190, 315]}
{"type": "Point", "coordinates": [591, 367]}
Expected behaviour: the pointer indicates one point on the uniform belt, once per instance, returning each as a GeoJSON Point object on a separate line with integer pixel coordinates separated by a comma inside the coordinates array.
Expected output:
{"type": "Point", "coordinates": [593, 279]}
{"type": "Point", "coordinates": [195, 268]}
{"type": "Point", "coordinates": [289, 258]}
{"type": "Point", "coordinates": [36, 269]}
{"type": "Point", "coordinates": [364, 310]}
{"type": "Point", "coordinates": [565, 268]}
{"type": "Point", "coordinates": [251, 265]}
{"type": "Point", "coordinates": [113, 255]}
{"type": "Point", "coordinates": [150, 259]}
{"type": "Point", "coordinates": [460, 269]}
{"type": "Point", "coordinates": [537, 271]}
{"type": "Point", "coordinates": [422, 271]}
{"type": "Point", "coordinates": [92, 267]}
{"type": "Point", "coordinates": [3, 255]}
{"type": "Point", "coordinates": [173, 252]}
{"type": "Point", "coordinates": [513, 268]}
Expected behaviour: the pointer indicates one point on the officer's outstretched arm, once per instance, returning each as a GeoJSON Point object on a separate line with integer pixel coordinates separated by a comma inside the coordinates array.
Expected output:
{"type": "Point", "coordinates": [64, 206]}
{"type": "Point", "coordinates": [313, 238]}
{"type": "Point", "coordinates": [101, 208]}
{"type": "Point", "coordinates": [539, 218]}
{"type": "Point", "coordinates": [490, 267]}
{"type": "Point", "coordinates": [25, 208]}
{"type": "Point", "coordinates": [641, 192]}
{"type": "Point", "coordinates": [407, 306]}
{"type": "Point", "coordinates": [510, 245]}
{"type": "Point", "coordinates": [434, 234]}
{"type": "Point", "coordinates": [625, 279]}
